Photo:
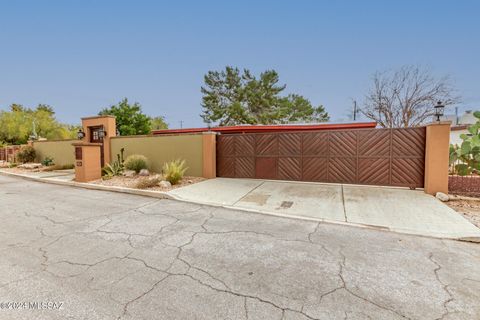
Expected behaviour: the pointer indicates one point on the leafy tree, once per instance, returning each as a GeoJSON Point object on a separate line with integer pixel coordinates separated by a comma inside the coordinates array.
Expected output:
{"type": "Point", "coordinates": [294, 108]}
{"type": "Point", "coordinates": [18, 124]}
{"type": "Point", "coordinates": [129, 117]}
{"type": "Point", "coordinates": [465, 159]}
{"type": "Point", "coordinates": [158, 123]}
{"type": "Point", "coordinates": [231, 97]}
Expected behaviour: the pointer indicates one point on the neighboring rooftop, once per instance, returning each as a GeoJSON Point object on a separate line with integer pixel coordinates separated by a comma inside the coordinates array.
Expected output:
{"type": "Point", "coordinates": [466, 118]}
{"type": "Point", "coordinates": [272, 128]}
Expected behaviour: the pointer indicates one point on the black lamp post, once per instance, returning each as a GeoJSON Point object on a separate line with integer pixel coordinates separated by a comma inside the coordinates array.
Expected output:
{"type": "Point", "coordinates": [80, 134]}
{"type": "Point", "coordinates": [439, 108]}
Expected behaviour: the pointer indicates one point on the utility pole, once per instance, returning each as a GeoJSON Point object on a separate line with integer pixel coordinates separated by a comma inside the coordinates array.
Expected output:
{"type": "Point", "coordinates": [354, 110]}
{"type": "Point", "coordinates": [181, 124]}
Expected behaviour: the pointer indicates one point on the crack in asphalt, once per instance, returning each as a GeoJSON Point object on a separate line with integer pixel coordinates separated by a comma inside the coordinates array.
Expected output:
{"type": "Point", "coordinates": [188, 274]}
{"type": "Point", "coordinates": [444, 286]}
{"type": "Point", "coordinates": [195, 273]}
{"type": "Point", "coordinates": [345, 287]}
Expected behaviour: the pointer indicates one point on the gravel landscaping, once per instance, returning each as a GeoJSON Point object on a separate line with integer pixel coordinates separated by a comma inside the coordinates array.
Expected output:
{"type": "Point", "coordinates": [468, 208]}
{"type": "Point", "coordinates": [132, 182]}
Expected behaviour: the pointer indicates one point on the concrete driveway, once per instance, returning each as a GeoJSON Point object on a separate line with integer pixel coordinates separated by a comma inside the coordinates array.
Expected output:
{"type": "Point", "coordinates": [86, 254]}
{"type": "Point", "coordinates": [394, 209]}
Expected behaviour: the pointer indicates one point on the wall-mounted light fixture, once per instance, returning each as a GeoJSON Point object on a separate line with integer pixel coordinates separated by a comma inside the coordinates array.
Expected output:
{"type": "Point", "coordinates": [80, 134]}
{"type": "Point", "coordinates": [102, 133]}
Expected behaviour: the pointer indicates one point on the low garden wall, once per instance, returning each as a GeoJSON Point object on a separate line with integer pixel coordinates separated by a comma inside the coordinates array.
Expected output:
{"type": "Point", "coordinates": [163, 148]}
{"type": "Point", "coordinates": [8, 153]}
{"type": "Point", "coordinates": [464, 185]}
{"type": "Point", "coordinates": [61, 151]}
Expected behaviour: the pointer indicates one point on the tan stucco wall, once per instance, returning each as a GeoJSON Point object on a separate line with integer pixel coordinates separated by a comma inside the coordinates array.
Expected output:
{"type": "Point", "coordinates": [61, 151]}
{"type": "Point", "coordinates": [160, 149]}
{"type": "Point", "coordinates": [436, 157]}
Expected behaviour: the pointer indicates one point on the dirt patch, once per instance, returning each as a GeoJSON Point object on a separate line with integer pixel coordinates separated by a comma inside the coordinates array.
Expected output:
{"type": "Point", "coordinates": [470, 209]}
{"type": "Point", "coordinates": [131, 182]}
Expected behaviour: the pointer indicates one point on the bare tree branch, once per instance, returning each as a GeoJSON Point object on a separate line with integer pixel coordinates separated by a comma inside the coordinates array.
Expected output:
{"type": "Point", "coordinates": [405, 97]}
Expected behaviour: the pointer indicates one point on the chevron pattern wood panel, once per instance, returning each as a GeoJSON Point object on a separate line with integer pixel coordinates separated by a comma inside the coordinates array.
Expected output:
{"type": "Point", "coordinates": [314, 169]}
{"type": "Point", "coordinates": [408, 142]}
{"type": "Point", "coordinates": [226, 167]}
{"type": "Point", "coordinates": [374, 171]}
{"type": "Point", "coordinates": [267, 144]}
{"type": "Point", "coordinates": [266, 168]}
{"type": "Point", "coordinates": [342, 170]}
{"type": "Point", "coordinates": [374, 143]}
{"type": "Point", "coordinates": [290, 144]}
{"type": "Point", "coordinates": [408, 172]}
{"type": "Point", "coordinates": [315, 144]}
{"type": "Point", "coordinates": [245, 145]}
{"type": "Point", "coordinates": [342, 143]}
{"type": "Point", "coordinates": [245, 167]}
{"type": "Point", "coordinates": [290, 168]}
{"type": "Point", "coordinates": [371, 156]}
{"type": "Point", "coordinates": [225, 145]}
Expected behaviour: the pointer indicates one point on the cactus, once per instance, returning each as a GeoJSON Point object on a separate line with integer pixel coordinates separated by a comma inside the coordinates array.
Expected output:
{"type": "Point", "coordinates": [465, 159]}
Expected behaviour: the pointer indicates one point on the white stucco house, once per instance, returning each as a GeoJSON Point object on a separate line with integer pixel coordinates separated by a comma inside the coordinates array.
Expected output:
{"type": "Point", "coordinates": [460, 125]}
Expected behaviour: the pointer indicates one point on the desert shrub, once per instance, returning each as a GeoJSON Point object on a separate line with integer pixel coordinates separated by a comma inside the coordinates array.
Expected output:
{"type": "Point", "coordinates": [173, 171]}
{"type": "Point", "coordinates": [48, 161]}
{"type": "Point", "coordinates": [112, 169]}
{"type": "Point", "coordinates": [146, 183]}
{"type": "Point", "coordinates": [26, 154]}
{"type": "Point", "coordinates": [136, 162]}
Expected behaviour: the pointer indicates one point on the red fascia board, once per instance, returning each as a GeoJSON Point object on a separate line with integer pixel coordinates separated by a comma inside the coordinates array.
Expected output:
{"type": "Point", "coordinates": [271, 128]}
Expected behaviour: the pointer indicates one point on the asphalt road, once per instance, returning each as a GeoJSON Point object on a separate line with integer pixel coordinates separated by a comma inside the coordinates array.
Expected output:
{"type": "Point", "coordinates": [69, 253]}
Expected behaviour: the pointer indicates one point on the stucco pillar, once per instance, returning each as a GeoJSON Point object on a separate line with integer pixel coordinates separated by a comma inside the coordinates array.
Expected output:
{"type": "Point", "coordinates": [209, 155]}
{"type": "Point", "coordinates": [436, 157]}
{"type": "Point", "coordinates": [109, 126]}
{"type": "Point", "coordinates": [87, 161]}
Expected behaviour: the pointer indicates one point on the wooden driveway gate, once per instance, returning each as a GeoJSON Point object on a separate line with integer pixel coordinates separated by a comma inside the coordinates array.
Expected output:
{"type": "Point", "coordinates": [389, 157]}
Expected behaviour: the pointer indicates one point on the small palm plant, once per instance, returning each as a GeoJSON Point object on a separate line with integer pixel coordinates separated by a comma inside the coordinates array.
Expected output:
{"type": "Point", "coordinates": [173, 171]}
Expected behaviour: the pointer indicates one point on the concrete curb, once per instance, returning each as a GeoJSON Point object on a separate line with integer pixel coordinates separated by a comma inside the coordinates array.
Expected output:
{"type": "Point", "coordinates": [334, 222]}
{"type": "Point", "coordinates": [91, 186]}
{"type": "Point", "coordinates": [165, 195]}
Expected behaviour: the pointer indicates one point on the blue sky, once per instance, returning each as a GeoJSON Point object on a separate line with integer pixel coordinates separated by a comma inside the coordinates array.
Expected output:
{"type": "Point", "coordinates": [81, 56]}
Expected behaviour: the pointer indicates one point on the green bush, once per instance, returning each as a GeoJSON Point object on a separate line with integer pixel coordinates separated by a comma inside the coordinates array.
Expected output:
{"type": "Point", "coordinates": [48, 161]}
{"type": "Point", "coordinates": [173, 171]}
{"type": "Point", "coordinates": [136, 162]}
{"type": "Point", "coordinates": [26, 154]}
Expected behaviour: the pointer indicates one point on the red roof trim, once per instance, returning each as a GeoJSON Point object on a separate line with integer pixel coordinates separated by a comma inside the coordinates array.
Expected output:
{"type": "Point", "coordinates": [272, 128]}
{"type": "Point", "coordinates": [459, 127]}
